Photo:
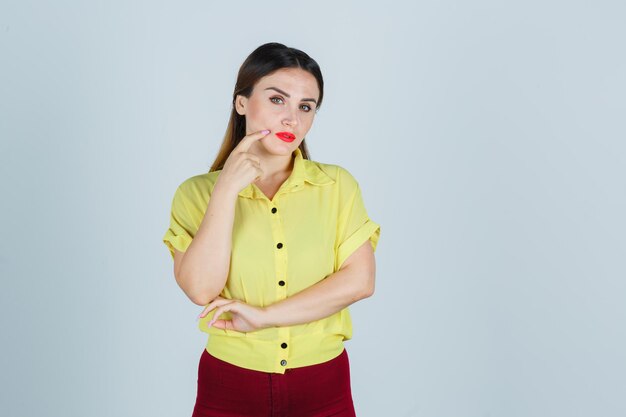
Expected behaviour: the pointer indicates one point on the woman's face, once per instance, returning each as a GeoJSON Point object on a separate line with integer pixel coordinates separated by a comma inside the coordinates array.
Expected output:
{"type": "Point", "coordinates": [283, 101]}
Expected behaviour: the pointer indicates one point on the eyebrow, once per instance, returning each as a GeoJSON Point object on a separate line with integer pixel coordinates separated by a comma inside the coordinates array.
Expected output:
{"type": "Point", "coordinates": [282, 92]}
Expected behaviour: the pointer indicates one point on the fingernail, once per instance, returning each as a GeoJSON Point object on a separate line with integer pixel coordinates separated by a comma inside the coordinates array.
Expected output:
{"type": "Point", "coordinates": [265, 132]}
{"type": "Point", "coordinates": [198, 318]}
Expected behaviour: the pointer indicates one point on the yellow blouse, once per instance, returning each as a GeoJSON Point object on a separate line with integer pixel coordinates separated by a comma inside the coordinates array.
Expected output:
{"type": "Point", "coordinates": [280, 247]}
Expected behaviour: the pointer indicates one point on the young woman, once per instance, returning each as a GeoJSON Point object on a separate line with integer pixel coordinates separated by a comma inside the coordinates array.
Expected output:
{"type": "Point", "coordinates": [276, 247]}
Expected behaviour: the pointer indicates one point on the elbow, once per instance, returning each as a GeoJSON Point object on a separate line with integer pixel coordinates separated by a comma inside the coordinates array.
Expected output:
{"type": "Point", "coordinates": [199, 295]}
{"type": "Point", "coordinates": [363, 271]}
{"type": "Point", "coordinates": [196, 297]}
{"type": "Point", "coordinates": [368, 289]}
{"type": "Point", "coordinates": [367, 292]}
{"type": "Point", "coordinates": [363, 282]}
{"type": "Point", "coordinates": [197, 300]}
{"type": "Point", "coordinates": [203, 298]}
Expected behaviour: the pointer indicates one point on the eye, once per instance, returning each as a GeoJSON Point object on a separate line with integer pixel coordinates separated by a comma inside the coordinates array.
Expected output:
{"type": "Point", "coordinates": [308, 108]}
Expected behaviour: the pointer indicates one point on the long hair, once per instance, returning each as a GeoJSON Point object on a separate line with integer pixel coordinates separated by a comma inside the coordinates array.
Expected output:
{"type": "Point", "coordinates": [262, 61]}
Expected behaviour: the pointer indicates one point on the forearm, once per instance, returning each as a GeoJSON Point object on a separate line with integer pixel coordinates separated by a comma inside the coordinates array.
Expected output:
{"type": "Point", "coordinates": [330, 295]}
{"type": "Point", "coordinates": [206, 263]}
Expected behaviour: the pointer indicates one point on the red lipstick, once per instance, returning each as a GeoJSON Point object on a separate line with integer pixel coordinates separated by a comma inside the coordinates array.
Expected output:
{"type": "Point", "coordinates": [286, 136]}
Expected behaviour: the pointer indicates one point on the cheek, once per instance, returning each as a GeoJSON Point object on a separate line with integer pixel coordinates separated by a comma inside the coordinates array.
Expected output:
{"type": "Point", "coordinates": [253, 113]}
{"type": "Point", "coordinates": [259, 113]}
{"type": "Point", "coordinates": [306, 122]}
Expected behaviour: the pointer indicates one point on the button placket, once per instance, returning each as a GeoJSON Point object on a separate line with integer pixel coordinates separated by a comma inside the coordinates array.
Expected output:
{"type": "Point", "coordinates": [280, 265]}
{"type": "Point", "coordinates": [280, 254]}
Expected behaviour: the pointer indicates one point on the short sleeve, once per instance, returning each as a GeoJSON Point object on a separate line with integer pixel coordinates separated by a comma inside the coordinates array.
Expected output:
{"type": "Point", "coordinates": [181, 230]}
{"type": "Point", "coordinates": [354, 226]}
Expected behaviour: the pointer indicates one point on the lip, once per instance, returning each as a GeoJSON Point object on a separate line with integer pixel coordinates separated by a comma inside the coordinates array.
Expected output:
{"type": "Point", "coordinates": [286, 136]}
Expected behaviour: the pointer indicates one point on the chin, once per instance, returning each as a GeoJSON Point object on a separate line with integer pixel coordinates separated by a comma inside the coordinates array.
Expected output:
{"type": "Point", "coordinates": [278, 147]}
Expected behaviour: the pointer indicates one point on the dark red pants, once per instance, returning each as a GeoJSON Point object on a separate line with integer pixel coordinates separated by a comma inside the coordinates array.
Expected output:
{"type": "Point", "coordinates": [321, 390]}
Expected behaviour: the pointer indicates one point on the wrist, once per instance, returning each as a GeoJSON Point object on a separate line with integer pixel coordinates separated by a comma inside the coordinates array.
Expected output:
{"type": "Point", "coordinates": [224, 189]}
{"type": "Point", "coordinates": [269, 318]}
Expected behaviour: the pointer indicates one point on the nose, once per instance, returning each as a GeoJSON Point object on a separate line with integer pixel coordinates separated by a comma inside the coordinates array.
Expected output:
{"type": "Point", "coordinates": [291, 118]}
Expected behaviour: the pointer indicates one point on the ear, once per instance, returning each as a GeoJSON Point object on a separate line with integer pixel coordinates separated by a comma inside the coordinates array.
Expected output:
{"type": "Point", "coordinates": [240, 104]}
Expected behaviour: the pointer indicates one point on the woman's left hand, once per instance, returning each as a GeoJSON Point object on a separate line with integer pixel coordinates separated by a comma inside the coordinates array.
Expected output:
{"type": "Point", "coordinates": [244, 317]}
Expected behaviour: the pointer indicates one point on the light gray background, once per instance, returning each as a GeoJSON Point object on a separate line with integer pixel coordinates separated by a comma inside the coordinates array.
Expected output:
{"type": "Point", "coordinates": [487, 136]}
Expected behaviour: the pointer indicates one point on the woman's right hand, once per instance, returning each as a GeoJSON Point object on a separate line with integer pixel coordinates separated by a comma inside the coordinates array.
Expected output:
{"type": "Point", "coordinates": [242, 167]}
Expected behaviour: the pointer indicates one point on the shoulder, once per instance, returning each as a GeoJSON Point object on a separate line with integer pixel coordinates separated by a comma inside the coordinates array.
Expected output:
{"type": "Point", "coordinates": [347, 190]}
{"type": "Point", "coordinates": [200, 182]}
{"type": "Point", "coordinates": [198, 187]}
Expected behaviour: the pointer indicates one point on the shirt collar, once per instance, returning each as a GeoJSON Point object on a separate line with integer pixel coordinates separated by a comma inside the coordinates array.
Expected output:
{"type": "Point", "coordinates": [303, 170]}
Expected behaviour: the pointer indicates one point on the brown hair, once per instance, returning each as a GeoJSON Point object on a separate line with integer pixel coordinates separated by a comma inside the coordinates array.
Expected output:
{"type": "Point", "coordinates": [262, 61]}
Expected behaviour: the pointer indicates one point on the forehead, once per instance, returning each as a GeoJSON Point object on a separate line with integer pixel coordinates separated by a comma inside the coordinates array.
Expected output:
{"type": "Point", "coordinates": [296, 82]}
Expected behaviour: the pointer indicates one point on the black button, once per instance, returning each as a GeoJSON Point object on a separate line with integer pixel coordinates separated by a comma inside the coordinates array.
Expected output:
{"type": "Point", "coordinates": [281, 283]}
{"type": "Point", "coordinates": [280, 245]}
{"type": "Point", "coordinates": [283, 345]}
{"type": "Point", "coordinates": [273, 209]}
{"type": "Point", "coordinates": [283, 362]}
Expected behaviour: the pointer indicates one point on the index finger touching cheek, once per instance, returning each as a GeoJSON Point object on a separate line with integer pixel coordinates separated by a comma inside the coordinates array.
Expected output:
{"type": "Point", "coordinates": [247, 141]}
